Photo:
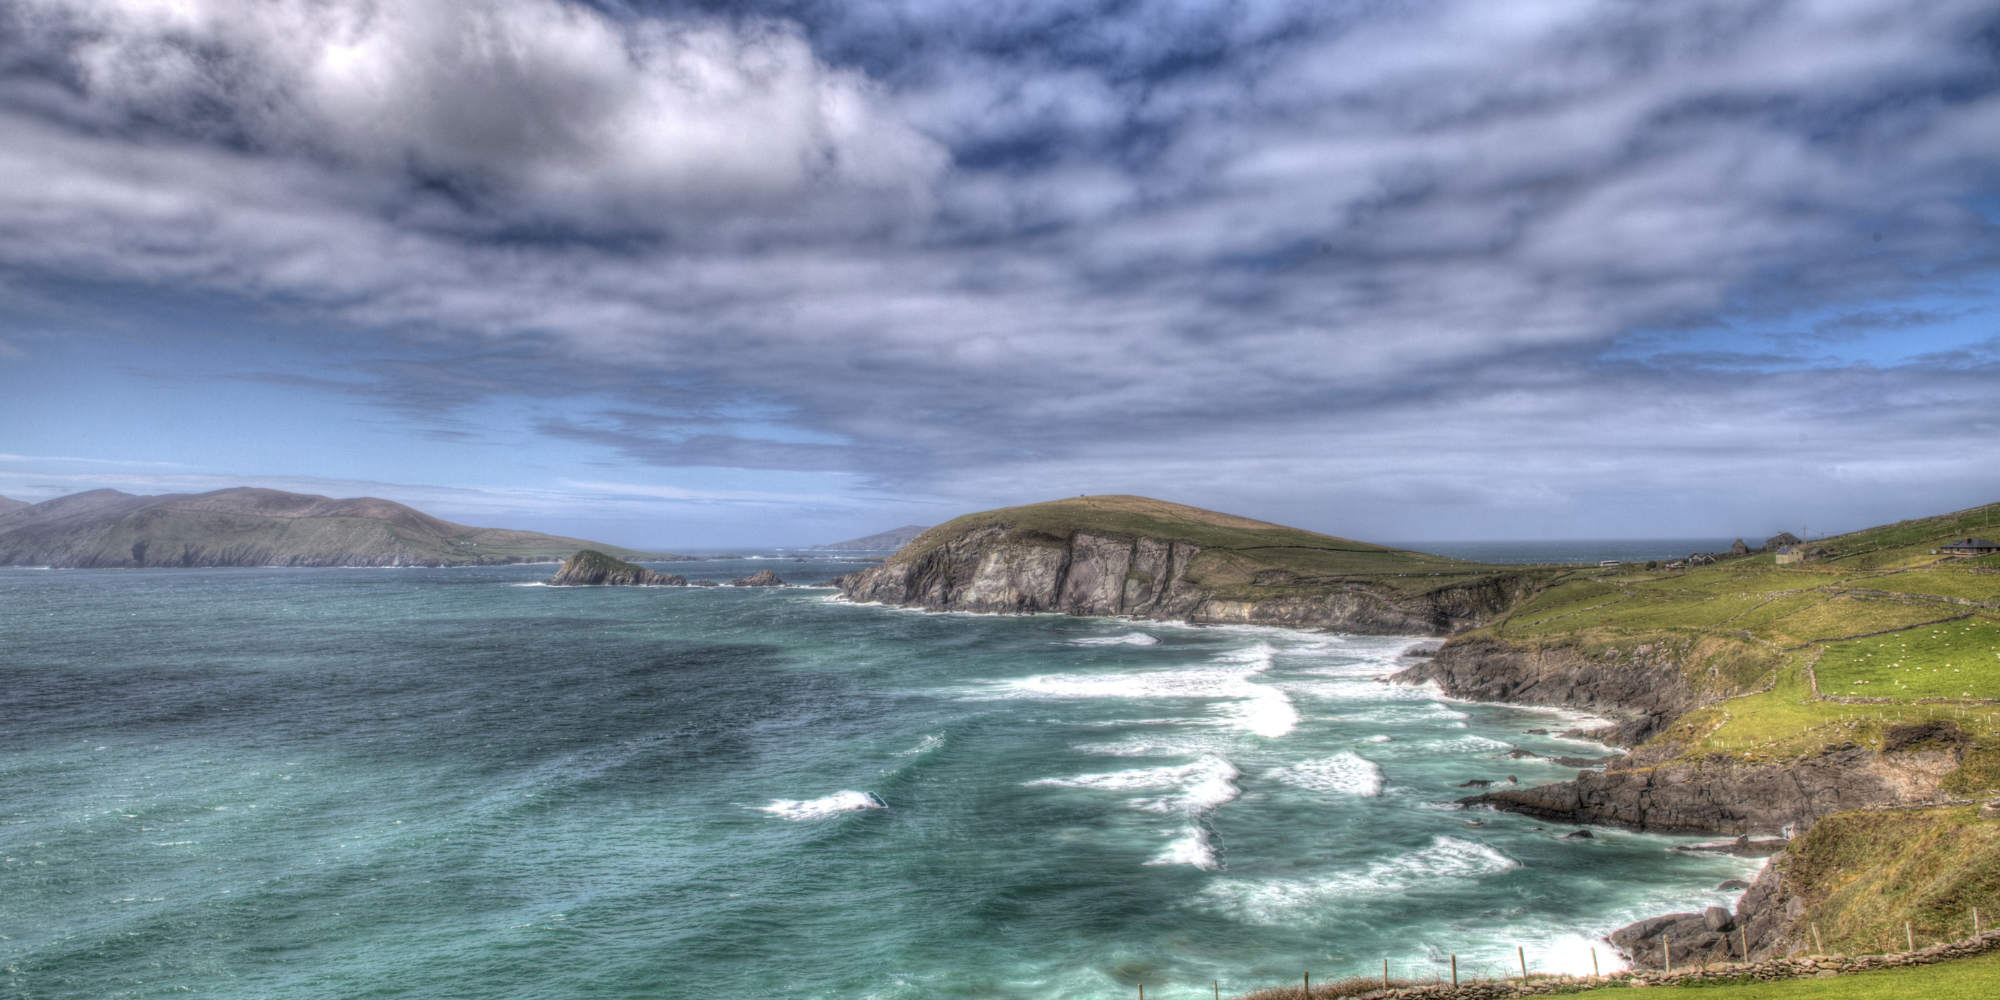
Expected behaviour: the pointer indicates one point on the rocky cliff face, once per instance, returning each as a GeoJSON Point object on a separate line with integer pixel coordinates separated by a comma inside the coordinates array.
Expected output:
{"type": "Point", "coordinates": [1088, 573]}
{"type": "Point", "coordinates": [1644, 687]}
{"type": "Point", "coordinates": [1765, 924]}
{"type": "Point", "coordinates": [590, 568]}
{"type": "Point", "coordinates": [1724, 795]}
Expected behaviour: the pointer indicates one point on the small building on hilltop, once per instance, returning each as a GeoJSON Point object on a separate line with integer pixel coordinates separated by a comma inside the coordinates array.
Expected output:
{"type": "Point", "coordinates": [1789, 554]}
{"type": "Point", "coordinates": [1970, 547]}
{"type": "Point", "coordinates": [1780, 540]}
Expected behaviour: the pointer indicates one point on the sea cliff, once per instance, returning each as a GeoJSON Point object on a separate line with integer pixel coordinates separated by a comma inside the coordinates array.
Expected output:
{"type": "Point", "coordinates": [1150, 559]}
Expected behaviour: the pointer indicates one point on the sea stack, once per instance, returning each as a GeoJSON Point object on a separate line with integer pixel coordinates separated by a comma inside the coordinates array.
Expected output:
{"type": "Point", "coordinates": [591, 568]}
{"type": "Point", "coordinates": [761, 578]}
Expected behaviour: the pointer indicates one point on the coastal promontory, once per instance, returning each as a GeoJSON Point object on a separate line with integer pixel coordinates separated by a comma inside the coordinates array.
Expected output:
{"type": "Point", "coordinates": [1837, 704]}
{"type": "Point", "coordinates": [1146, 558]}
{"type": "Point", "coordinates": [256, 527]}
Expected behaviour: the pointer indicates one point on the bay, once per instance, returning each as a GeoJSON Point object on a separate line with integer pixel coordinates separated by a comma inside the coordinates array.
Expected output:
{"type": "Point", "coordinates": [402, 783]}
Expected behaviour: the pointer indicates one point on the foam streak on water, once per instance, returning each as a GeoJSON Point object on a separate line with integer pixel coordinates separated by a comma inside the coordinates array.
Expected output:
{"type": "Point", "coordinates": [839, 802]}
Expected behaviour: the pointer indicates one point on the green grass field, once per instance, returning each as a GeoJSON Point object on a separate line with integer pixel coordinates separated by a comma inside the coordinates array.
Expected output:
{"type": "Point", "coordinates": [1958, 659]}
{"type": "Point", "coordinates": [1966, 979]}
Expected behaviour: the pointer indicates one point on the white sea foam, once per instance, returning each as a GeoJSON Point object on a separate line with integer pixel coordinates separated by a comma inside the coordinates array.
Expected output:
{"type": "Point", "coordinates": [1260, 709]}
{"type": "Point", "coordinates": [1267, 712]}
{"type": "Point", "coordinates": [1380, 738]}
{"type": "Point", "coordinates": [1346, 772]}
{"type": "Point", "coordinates": [1155, 746]}
{"type": "Point", "coordinates": [1258, 657]}
{"type": "Point", "coordinates": [1191, 848]}
{"type": "Point", "coordinates": [1128, 639]}
{"type": "Point", "coordinates": [1468, 744]}
{"type": "Point", "coordinates": [537, 583]}
{"type": "Point", "coordinates": [1278, 901]}
{"type": "Point", "coordinates": [1423, 712]}
{"type": "Point", "coordinates": [1196, 788]}
{"type": "Point", "coordinates": [930, 742]}
{"type": "Point", "coordinates": [839, 802]}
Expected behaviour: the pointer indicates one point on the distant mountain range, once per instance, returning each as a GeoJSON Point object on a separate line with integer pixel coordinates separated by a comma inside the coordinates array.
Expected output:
{"type": "Point", "coordinates": [887, 541]}
{"type": "Point", "coordinates": [257, 527]}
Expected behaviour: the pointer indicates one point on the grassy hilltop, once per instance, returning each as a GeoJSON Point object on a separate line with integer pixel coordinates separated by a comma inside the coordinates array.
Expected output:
{"type": "Point", "coordinates": [257, 527]}
{"type": "Point", "coordinates": [1240, 558]}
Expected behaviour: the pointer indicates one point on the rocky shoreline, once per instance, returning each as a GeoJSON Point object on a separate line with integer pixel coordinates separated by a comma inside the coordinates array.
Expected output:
{"type": "Point", "coordinates": [1656, 790]}
{"type": "Point", "coordinates": [995, 565]}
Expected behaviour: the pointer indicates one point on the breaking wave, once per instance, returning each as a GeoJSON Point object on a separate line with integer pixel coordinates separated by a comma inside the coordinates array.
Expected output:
{"type": "Point", "coordinates": [839, 802]}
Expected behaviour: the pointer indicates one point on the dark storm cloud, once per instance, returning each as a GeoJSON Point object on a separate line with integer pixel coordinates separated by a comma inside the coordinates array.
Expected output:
{"type": "Point", "coordinates": [998, 249]}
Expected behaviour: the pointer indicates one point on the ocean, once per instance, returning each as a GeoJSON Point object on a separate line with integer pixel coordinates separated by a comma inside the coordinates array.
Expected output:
{"type": "Point", "coordinates": [459, 783]}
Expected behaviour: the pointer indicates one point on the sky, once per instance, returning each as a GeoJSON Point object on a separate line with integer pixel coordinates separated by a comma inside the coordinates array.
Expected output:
{"type": "Point", "coordinates": [782, 272]}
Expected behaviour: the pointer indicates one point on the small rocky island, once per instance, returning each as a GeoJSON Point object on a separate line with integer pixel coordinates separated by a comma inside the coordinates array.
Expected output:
{"type": "Point", "coordinates": [591, 568]}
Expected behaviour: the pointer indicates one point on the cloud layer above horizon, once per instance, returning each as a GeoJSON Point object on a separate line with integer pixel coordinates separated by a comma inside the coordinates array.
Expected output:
{"type": "Point", "coordinates": [1426, 269]}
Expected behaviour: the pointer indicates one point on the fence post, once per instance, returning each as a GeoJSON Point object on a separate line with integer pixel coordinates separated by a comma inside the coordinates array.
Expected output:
{"type": "Point", "coordinates": [1217, 983]}
{"type": "Point", "coordinates": [1818, 948]}
{"type": "Point", "coordinates": [1523, 956]}
{"type": "Point", "coordinates": [1385, 973]}
{"type": "Point", "coordinates": [1666, 956]}
{"type": "Point", "coordinates": [1909, 938]}
{"type": "Point", "coordinates": [1593, 963]}
{"type": "Point", "coordinates": [1309, 985]}
{"type": "Point", "coordinates": [1743, 935]}
{"type": "Point", "coordinates": [1142, 991]}
{"type": "Point", "coordinates": [1454, 970]}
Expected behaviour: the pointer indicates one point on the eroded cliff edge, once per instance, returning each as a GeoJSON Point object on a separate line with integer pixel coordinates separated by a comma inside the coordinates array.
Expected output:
{"type": "Point", "coordinates": [1000, 568]}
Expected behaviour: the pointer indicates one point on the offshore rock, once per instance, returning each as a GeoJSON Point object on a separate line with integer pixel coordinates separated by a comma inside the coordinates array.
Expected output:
{"type": "Point", "coordinates": [761, 578]}
{"type": "Point", "coordinates": [591, 568]}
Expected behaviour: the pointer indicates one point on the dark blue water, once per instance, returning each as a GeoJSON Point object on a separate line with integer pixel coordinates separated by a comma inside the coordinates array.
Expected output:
{"type": "Point", "coordinates": [452, 783]}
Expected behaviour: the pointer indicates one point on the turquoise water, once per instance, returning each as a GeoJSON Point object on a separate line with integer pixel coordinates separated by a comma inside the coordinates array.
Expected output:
{"type": "Point", "coordinates": [454, 783]}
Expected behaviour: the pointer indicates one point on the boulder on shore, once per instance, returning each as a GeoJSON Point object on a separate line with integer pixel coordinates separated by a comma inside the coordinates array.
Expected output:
{"type": "Point", "coordinates": [761, 578]}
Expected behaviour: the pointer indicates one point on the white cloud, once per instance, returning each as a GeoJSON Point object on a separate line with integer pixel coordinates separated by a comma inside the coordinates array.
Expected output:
{"type": "Point", "coordinates": [537, 108]}
{"type": "Point", "coordinates": [1303, 241]}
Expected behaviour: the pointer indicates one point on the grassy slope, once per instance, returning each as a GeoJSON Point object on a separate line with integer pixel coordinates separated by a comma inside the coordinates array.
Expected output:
{"type": "Point", "coordinates": [1976, 978]}
{"type": "Point", "coordinates": [1879, 618]}
{"type": "Point", "coordinates": [1864, 874]}
{"type": "Point", "coordinates": [1968, 979]}
{"type": "Point", "coordinates": [456, 544]}
{"type": "Point", "coordinates": [1234, 550]}
{"type": "Point", "coordinates": [269, 525]}
{"type": "Point", "coordinates": [1877, 632]}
